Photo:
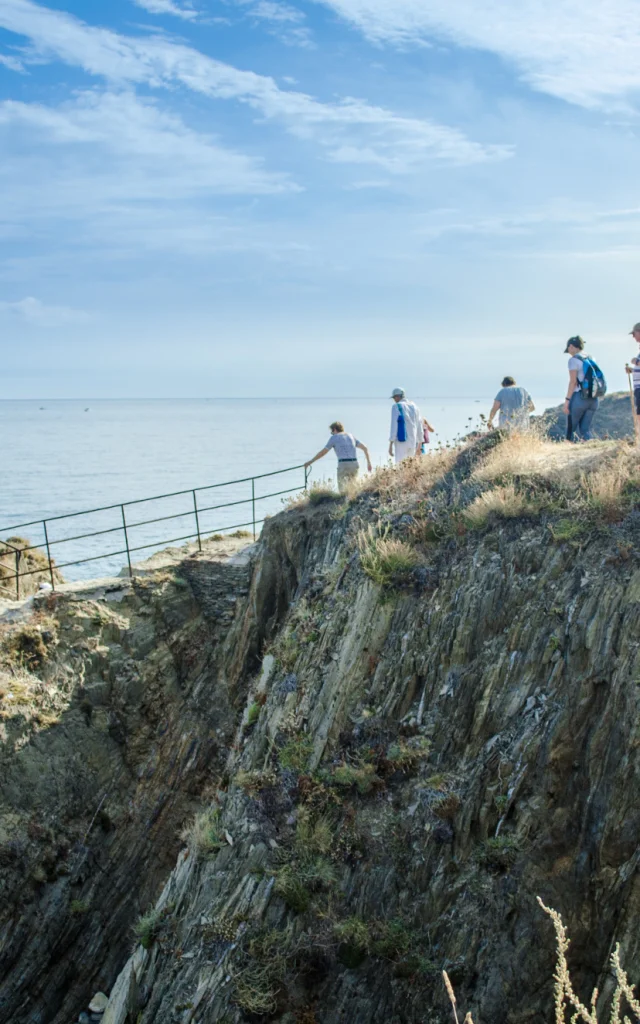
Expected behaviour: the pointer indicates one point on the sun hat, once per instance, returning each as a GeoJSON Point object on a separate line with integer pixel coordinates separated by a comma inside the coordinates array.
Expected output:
{"type": "Point", "coordinates": [397, 393]}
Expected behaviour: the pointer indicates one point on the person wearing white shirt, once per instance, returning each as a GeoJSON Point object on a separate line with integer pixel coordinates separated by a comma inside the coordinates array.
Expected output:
{"type": "Point", "coordinates": [407, 432]}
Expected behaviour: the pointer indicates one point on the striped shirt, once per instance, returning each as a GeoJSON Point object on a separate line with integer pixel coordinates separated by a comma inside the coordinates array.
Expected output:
{"type": "Point", "coordinates": [636, 373]}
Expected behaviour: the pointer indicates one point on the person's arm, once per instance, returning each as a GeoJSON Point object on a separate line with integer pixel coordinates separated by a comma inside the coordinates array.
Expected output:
{"type": "Point", "coordinates": [364, 448]}
{"type": "Point", "coordinates": [494, 409]}
{"type": "Point", "coordinates": [431, 429]}
{"type": "Point", "coordinates": [573, 383]}
{"type": "Point", "coordinates": [530, 406]}
{"type": "Point", "coordinates": [315, 458]}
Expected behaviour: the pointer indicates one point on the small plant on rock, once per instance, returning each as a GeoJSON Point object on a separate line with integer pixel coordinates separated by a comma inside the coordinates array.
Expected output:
{"type": "Point", "coordinates": [295, 754]}
{"type": "Point", "coordinates": [204, 836]}
{"type": "Point", "coordinates": [386, 560]}
{"type": "Point", "coordinates": [361, 776]}
{"type": "Point", "coordinates": [147, 927]}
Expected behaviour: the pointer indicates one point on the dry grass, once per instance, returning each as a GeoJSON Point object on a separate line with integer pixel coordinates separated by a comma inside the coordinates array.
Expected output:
{"type": "Point", "coordinates": [506, 502]}
{"type": "Point", "coordinates": [529, 455]}
{"type": "Point", "coordinates": [568, 1007]}
{"type": "Point", "coordinates": [204, 836]}
{"type": "Point", "coordinates": [413, 477]}
{"type": "Point", "coordinates": [386, 560]}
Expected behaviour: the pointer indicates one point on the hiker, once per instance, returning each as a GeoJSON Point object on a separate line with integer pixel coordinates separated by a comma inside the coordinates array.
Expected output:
{"type": "Point", "coordinates": [635, 370]}
{"type": "Point", "coordinates": [427, 431]}
{"type": "Point", "coordinates": [345, 446]}
{"type": "Point", "coordinates": [586, 386]}
{"type": "Point", "coordinates": [514, 405]}
{"type": "Point", "coordinates": [407, 432]}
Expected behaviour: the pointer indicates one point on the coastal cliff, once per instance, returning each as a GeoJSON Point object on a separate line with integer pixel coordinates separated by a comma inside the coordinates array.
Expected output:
{"type": "Point", "coordinates": [402, 719]}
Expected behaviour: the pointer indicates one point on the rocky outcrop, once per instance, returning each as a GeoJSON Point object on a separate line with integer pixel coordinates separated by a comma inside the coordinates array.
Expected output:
{"type": "Point", "coordinates": [401, 769]}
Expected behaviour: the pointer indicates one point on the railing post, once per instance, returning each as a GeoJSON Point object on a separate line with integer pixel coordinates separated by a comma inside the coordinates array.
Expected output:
{"type": "Point", "coordinates": [18, 555]}
{"type": "Point", "coordinates": [253, 505]}
{"type": "Point", "coordinates": [195, 509]}
{"type": "Point", "coordinates": [46, 538]}
{"type": "Point", "coordinates": [126, 540]}
{"type": "Point", "coordinates": [306, 477]}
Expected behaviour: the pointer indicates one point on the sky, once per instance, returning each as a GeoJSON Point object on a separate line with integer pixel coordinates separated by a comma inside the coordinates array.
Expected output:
{"type": "Point", "coordinates": [315, 197]}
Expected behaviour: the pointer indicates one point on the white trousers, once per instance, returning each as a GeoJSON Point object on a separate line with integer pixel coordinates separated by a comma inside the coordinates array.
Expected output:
{"type": "Point", "coordinates": [404, 450]}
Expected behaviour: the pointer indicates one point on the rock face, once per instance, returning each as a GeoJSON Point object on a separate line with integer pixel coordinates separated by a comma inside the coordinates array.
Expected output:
{"type": "Point", "coordinates": [95, 786]}
{"type": "Point", "coordinates": [383, 794]}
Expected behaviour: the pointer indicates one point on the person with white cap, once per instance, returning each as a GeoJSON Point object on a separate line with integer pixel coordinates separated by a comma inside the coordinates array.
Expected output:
{"type": "Point", "coordinates": [407, 431]}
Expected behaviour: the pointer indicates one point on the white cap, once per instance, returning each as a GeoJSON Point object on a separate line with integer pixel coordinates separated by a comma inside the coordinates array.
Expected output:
{"type": "Point", "coordinates": [397, 393]}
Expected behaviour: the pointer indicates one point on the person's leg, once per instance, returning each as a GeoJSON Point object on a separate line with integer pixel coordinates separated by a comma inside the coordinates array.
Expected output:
{"type": "Point", "coordinates": [403, 450]}
{"type": "Point", "coordinates": [575, 415]}
{"type": "Point", "coordinates": [591, 408]}
{"type": "Point", "coordinates": [347, 472]}
{"type": "Point", "coordinates": [636, 395]}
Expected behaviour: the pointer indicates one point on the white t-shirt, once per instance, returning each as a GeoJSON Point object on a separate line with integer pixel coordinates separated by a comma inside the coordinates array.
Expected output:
{"type": "Point", "coordinates": [412, 422]}
{"type": "Point", "coordinates": [575, 363]}
{"type": "Point", "coordinates": [344, 446]}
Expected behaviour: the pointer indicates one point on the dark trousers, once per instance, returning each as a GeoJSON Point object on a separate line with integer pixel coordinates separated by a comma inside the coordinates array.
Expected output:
{"type": "Point", "coordinates": [581, 413]}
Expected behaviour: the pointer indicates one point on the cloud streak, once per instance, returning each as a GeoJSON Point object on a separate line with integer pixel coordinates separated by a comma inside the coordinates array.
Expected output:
{"type": "Point", "coordinates": [582, 51]}
{"type": "Point", "coordinates": [36, 314]}
{"type": "Point", "coordinates": [351, 130]}
{"type": "Point", "coordinates": [167, 7]}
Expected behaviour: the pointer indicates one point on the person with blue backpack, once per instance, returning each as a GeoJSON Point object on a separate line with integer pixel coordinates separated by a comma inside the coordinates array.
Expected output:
{"type": "Point", "coordinates": [586, 386]}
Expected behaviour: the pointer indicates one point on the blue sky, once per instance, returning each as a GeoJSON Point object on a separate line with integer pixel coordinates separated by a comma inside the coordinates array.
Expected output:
{"type": "Point", "coordinates": [259, 197]}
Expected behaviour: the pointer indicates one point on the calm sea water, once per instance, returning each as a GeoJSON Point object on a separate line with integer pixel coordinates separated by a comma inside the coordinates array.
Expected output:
{"type": "Point", "coordinates": [62, 457]}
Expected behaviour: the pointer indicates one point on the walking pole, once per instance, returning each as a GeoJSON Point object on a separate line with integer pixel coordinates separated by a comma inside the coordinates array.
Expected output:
{"type": "Point", "coordinates": [633, 409]}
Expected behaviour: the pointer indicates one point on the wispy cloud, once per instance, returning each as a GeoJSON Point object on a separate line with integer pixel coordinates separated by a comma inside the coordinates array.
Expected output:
{"type": "Point", "coordinates": [351, 130]}
{"type": "Point", "coordinates": [35, 313]}
{"type": "Point", "coordinates": [583, 51]}
{"type": "Point", "coordinates": [151, 154]}
{"type": "Point", "coordinates": [185, 11]}
{"type": "Point", "coordinates": [283, 20]}
{"type": "Point", "coordinates": [12, 63]}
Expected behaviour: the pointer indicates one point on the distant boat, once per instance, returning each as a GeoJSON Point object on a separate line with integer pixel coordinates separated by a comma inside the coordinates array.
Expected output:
{"type": "Point", "coordinates": [88, 409]}
{"type": "Point", "coordinates": [42, 408]}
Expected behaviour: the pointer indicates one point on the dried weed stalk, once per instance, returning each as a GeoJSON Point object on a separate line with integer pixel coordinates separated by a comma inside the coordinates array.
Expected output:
{"type": "Point", "coordinates": [565, 999]}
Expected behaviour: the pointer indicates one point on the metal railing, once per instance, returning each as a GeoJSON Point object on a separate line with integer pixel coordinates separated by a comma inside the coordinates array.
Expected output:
{"type": "Point", "coordinates": [126, 525]}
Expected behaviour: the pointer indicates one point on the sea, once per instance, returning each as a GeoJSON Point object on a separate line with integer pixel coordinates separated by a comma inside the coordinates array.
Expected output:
{"type": "Point", "coordinates": [84, 466]}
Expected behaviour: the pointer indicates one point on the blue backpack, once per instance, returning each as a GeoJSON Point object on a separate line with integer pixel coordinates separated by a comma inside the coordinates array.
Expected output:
{"type": "Point", "coordinates": [402, 427]}
{"type": "Point", "coordinates": [594, 384]}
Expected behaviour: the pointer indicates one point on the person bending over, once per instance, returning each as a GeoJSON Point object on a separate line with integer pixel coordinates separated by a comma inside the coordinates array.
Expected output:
{"type": "Point", "coordinates": [514, 405]}
{"type": "Point", "coordinates": [345, 446]}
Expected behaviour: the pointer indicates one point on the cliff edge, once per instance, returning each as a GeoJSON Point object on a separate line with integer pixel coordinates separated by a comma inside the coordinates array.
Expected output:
{"type": "Point", "coordinates": [410, 714]}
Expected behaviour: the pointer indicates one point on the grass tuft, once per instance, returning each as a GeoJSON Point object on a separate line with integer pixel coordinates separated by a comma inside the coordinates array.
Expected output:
{"type": "Point", "coordinates": [386, 560]}
{"type": "Point", "coordinates": [204, 836]}
{"type": "Point", "coordinates": [505, 501]}
{"type": "Point", "coordinates": [146, 928]}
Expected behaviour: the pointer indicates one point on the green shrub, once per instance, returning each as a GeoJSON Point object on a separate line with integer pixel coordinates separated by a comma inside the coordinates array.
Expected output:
{"type": "Point", "coordinates": [567, 529]}
{"type": "Point", "coordinates": [362, 776]}
{"type": "Point", "coordinates": [79, 907]}
{"type": "Point", "coordinates": [296, 753]}
{"type": "Point", "coordinates": [147, 927]}
{"type": "Point", "coordinates": [253, 713]}
{"type": "Point", "coordinates": [323, 495]}
{"type": "Point", "coordinates": [500, 851]}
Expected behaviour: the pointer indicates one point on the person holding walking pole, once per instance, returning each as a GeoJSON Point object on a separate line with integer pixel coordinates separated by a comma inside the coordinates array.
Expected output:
{"type": "Point", "coordinates": [633, 372]}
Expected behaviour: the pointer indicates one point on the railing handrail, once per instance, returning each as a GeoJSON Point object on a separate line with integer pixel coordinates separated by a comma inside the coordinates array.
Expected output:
{"type": "Point", "coordinates": [156, 497]}
{"type": "Point", "coordinates": [126, 527]}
